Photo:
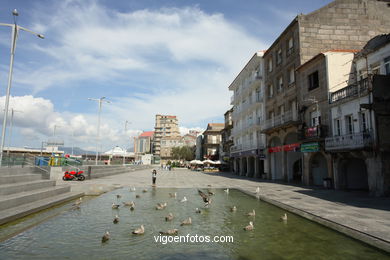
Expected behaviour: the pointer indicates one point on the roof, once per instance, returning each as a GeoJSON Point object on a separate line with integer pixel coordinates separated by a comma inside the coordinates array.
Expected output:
{"type": "Point", "coordinates": [374, 44]}
{"type": "Point", "coordinates": [147, 134]}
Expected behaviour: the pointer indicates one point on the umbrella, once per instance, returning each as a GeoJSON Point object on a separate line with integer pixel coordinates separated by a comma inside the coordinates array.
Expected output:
{"type": "Point", "coordinates": [208, 161]}
{"type": "Point", "coordinates": [194, 162]}
{"type": "Point", "coordinates": [218, 162]}
{"type": "Point", "coordinates": [198, 162]}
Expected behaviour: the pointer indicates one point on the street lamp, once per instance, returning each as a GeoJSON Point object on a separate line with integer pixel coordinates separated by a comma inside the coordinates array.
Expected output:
{"type": "Point", "coordinates": [124, 151]}
{"type": "Point", "coordinates": [100, 101]}
{"type": "Point", "coordinates": [10, 127]}
{"type": "Point", "coordinates": [15, 31]}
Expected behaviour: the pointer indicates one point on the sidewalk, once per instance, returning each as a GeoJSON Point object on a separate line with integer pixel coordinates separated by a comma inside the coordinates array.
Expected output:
{"type": "Point", "coordinates": [352, 213]}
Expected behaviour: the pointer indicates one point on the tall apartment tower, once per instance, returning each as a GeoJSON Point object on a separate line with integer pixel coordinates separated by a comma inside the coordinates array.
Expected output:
{"type": "Point", "coordinates": [166, 126]}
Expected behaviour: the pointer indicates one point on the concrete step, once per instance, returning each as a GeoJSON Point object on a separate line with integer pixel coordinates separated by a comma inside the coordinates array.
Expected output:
{"type": "Point", "coordinates": [7, 179]}
{"type": "Point", "coordinates": [15, 200]}
{"type": "Point", "coordinates": [32, 207]}
{"type": "Point", "coordinates": [7, 189]}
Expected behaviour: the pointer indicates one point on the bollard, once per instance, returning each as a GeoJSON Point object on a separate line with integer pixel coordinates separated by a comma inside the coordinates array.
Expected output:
{"type": "Point", "coordinates": [89, 172]}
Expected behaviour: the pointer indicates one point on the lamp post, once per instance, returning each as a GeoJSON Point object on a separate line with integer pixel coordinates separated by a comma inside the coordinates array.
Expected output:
{"type": "Point", "coordinates": [10, 127]}
{"type": "Point", "coordinates": [124, 151]}
{"type": "Point", "coordinates": [100, 101]}
{"type": "Point", "coordinates": [15, 30]}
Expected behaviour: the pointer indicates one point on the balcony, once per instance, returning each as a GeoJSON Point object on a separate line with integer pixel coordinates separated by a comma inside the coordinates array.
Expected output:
{"type": "Point", "coordinates": [246, 147]}
{"type": "Point", "coordinates": [348, 142]}
{"type": "Point", "coordinates": [280, 121]}
{"type": "Point", "coordinates": [315, 132]}
{"type": "Point", "coordinates": [350, 91]}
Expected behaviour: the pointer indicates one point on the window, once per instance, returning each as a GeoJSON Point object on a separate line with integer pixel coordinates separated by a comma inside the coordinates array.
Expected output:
{"type": "Point", "coordinates": [270, 64]}
{"type": "Point", "coordinates": [363, 122]}
{"type": "Point", "coordinates": [258, 95]}
{"type": "Point", "coordinates": [281, 110]}
{"type": "Point", "coordinates": [337, 127]}
{"type": "Point", "coordinates": [279, 57]}
{"type": "Point", "coordinates": [387, 65]}
{"type": "Point", "coordinates": [349, 124]}
{"type": "Point", "coordinates": [280, 84]}
{"type": "Point", "coordinates": [315, 117]}
{"type": "Point", "coordinates": [271, 90]}
{"type": "Point", "coordinates": [290, 46]}
{"type": "Point", "coordinates": [291, 76]}
{"type": "Point", "coordinates": [313, 80]}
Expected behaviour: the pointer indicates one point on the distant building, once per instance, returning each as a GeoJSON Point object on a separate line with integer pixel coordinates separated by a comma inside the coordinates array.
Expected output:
{"type": "Point", "coordinates": [166, 126]}
{"type": "Point", "coordinates": [143, 144]}
{"type": "Point", "coordinates": [227, 140]}
{"type": "Point", "coordinates": [212, 140]}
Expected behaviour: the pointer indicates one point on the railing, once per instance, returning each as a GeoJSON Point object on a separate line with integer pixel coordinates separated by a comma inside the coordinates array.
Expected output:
{"type": "Point", "coordinates": [349, 91]}
{"type": "Point", "coordinates": [246, 147]}
{"type": "Point", "coordinates": [350, 141]}
{"type": "Point", "coordinates": [280, 120]}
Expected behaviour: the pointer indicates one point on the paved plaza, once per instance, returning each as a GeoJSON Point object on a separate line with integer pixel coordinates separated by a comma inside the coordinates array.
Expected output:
{"type": "Point", "coordinates": [355, 214]}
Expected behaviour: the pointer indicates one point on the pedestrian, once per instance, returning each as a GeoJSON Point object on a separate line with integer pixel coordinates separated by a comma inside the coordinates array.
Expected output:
{"type": "Point", "coordinates": [154, 177]}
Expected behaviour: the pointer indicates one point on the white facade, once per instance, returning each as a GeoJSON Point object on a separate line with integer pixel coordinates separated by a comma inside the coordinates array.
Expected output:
{"type": "Point", "coordinates": [248, 101]}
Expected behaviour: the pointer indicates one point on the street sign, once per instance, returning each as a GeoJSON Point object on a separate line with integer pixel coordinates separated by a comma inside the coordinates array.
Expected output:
{"type": "Point", "coordinates": [310, 147]}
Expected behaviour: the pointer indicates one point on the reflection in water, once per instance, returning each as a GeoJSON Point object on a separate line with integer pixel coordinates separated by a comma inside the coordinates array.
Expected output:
{"type": "Point", "coordinates": [77, 234]}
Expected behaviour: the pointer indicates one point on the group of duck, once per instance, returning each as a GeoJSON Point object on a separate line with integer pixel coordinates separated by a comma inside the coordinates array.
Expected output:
{"type": "Point", "coordinates": [206, 197]}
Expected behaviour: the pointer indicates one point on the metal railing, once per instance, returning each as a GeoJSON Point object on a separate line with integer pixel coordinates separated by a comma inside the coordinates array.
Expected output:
{"type": "Point", "coordinates": [350, 91]}
{"type": "Point", "coordinates": [350, 141]}
{"type": "Point", "coordinates": [280, 120]}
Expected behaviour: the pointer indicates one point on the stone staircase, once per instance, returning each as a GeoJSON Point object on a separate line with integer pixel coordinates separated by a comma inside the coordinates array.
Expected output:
{"type": "Point", "coordinates": [23, 192]}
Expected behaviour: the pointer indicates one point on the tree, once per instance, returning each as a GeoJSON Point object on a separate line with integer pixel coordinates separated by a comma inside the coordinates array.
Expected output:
{"type": "Point", "coordinates": [184, 152]}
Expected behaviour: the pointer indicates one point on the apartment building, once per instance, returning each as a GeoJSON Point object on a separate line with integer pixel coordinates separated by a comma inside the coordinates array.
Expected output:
{"type": "Point", "coordinates": [247, 153]}
{"type": "Point", "coordinates": [143, 144]}
{"type": "Point", "coordinates": [166, 126]}
{"type": "Point", "coordinates": [325, 73]}
{"type": "Point", "coordinates": [227, 140]}
{"type": "Point", "coordinates": [212, 140]}
{"type": "Point", "coordinates": [342, 24]}
{"type": "Point", "coordinates": [360, 115]}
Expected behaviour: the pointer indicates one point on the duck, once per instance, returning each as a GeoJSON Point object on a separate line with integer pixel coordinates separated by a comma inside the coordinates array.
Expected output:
{"type": "Point", "coordinates": [173, 195]}
{"type": "Point", "coordinates": [233, 209]}
{"type": "Point", "coordinates": [115, 206]}
{"type": "Point", "coordinates": [210, 193]}
{"type": "Point", "coordinates": [170, 232]}
{"type": "Point", "coordinates": [197, 210]}
{"type": "Point", "coordinates": [144, 190]}
{"type": "Point", "coordinates": [132, 208]}
{"type": "Point", "coordinates": [132, 189]}
{"type": "Point", "coordinates": [161, 206]}
{"type": "Point", "coordinates": [184, 199]}
{"type": "Point", "coordinates": [187, 221]}
{"type": "Point", "coordinates": [257, 190]}
{"type": "Point", "coordinates": [169, 217]}
{"type": "Point", "coordinates": [206, 198]}
{"type": "Point", "coordinates": [118, 196]}
{"type": "Point", "coordinates": [227, 191]}
{"type": "Point", "coordinates": [249, 227]}
{"type": "Point", "coordinates": [137, 196]}
{"type": "Point", "coordinates": [284, 217]}
{"type": "Point", "coordinates": [139, 231]}
{"type": "Point", "coordinates": [251, 214]}
{"type": "Point", "coordinates": [129, 203]}
{"type": "Point", "coordinates": [106, 237]}
{"type": "Point", "coordinates": [116, 219]}
{"type": "Point", "coordinates": [78, 202]}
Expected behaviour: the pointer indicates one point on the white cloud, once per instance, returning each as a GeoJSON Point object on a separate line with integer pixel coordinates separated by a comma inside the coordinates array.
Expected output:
{"type": "Point", "coordinates": [176, 61]}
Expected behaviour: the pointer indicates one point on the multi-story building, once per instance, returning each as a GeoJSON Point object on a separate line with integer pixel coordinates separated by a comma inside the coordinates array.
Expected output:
{"type": "Point", "coordinates": [342, 24]}
{"type": "Point", "coordinates": [166, 126]}
{"type": "Point", "coordinates": [324, 73]}
{"type": "Point", "coordinates": [360, 115]}
{"type": "Point", "coordinates": [248, 117]}
{"type": "Point", "coordinates": [227, 140]}
{"type": "Point", "coordinates": [211, 141]}
{"type": "Point", "coordinates": [143, 144]}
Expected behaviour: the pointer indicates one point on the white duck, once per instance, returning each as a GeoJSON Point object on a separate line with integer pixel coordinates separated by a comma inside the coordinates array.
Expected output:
{"type": "Point", "coordinates": [187, 221]}
{"type": "Point", "coordinates": [184, 199]}
{"type": "Point", "coordinates": [284, 217]}
{"type": "Point", "coordinates": [249, 227]}
{"type": "Point", "coordinates": [139, 231]}
{"type": "Point", "coordinates": [251, 214]}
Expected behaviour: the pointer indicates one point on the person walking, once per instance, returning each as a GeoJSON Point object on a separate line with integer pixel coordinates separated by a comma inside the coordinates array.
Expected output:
{"type": "Point", "coordinates": [154, 177]}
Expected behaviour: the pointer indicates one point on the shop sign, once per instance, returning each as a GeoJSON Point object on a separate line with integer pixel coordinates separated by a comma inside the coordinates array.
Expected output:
{"type": "Point", "coordinates": [262, 156]}
{"type": "Point", "coordinates": [291, 147]}
{"type": "Point", "coordinates": [275, 149]}
{"type": "Point", "coordinates": [310, 147]}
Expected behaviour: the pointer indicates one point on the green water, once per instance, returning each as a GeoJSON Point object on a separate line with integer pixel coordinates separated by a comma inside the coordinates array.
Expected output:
{"type": "Point", "coordinates": [76, 234]}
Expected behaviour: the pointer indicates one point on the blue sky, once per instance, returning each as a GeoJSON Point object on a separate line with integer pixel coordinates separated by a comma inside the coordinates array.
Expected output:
{"type": "Point", "coordinates": [147, 57]}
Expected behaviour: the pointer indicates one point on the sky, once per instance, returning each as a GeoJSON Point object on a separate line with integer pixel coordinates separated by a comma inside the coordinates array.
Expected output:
{"type": "Point", "coordinates": [147, 57]}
